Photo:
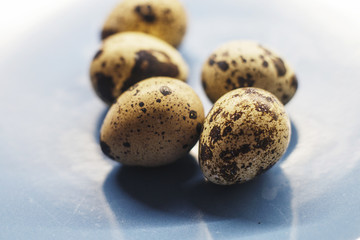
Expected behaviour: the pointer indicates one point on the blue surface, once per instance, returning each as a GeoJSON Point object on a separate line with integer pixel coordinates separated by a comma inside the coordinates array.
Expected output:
{"type": "Point", "coordinates": [56, 184]}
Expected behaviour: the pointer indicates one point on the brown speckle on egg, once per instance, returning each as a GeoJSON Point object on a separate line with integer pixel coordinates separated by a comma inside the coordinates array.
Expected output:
{"type": "Point", "coordinates": [146, 13]}
{"type": "Point", "coordinates": [252, 65]}
{"type": "Point", "coordinates": [98, 53]}
{"type": "Point", "coordinates": [152, 128]}
{"type": "Point", "coordinates": [165, 19]}
{"type": "Point", "coordinates": [104, 86]}
{"type": "Point", "coordinates": [165, 90]}
{"type": "Point", "coordinates": [245, 133]}
{"type": "Point", "coordinates": [148, 65]}
{"type": "Point", "coordinates": [127, 58]}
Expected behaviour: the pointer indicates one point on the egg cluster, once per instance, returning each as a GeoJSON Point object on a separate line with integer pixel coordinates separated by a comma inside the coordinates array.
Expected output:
{"type": "Point", "coordinates": [155, 118]}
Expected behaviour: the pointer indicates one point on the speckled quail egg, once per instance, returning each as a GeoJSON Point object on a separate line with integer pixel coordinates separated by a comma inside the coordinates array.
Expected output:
{"type": "Point", "coordinates": [245, 133]}
{"type": "Point", "coordinates": [127, 58]}
{"type": "Point", "coordinates": [153, 123]}
{"type": "Point", "coordinates": [165, 19]}
{"type": "Point", "coordinates": [238, 64]}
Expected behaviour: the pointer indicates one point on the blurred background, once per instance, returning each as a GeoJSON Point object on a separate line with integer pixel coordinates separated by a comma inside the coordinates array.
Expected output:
{"type": "Point", "coordinates": [56, 184]}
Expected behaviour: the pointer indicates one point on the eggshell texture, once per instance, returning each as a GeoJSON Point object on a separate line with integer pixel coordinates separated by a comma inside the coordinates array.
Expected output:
{"type": "Point", "coordinates": [240, 64]}
{"type": "Point", "coordinates": [165, 19]}
{"type": "Point", "coordinates": [127, 58]}
{"type": "Point", "coordinates": [245, 133]}
{"type": "Point", "coordinates": [155, 122]}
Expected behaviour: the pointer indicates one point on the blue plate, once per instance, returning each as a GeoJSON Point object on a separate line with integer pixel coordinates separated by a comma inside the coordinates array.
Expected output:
{"type": "Point", "coordinates": [55, 183]}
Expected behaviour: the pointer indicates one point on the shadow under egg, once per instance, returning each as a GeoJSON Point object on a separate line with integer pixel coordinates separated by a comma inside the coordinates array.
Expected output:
{"type": "Point", "coordinates": [153, 195]}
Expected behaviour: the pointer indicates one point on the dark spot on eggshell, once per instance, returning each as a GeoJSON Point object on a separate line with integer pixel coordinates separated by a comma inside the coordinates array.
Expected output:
{"type": "Point", "coordinates": [204, 85]}
{"type": "Point", "coordinates": [98, 53]}
{"type": "Point", "coordinates": [165, 90]}
{"type": "Point", "coordinates": [230, 84]}
{"type": "Point", "coordinates": [141, 104]}
{"type": "Point", "coordinates": [193, 114]}
{"type": "Point", "coordinates": [234, 72]}
{"type": "Point", "coordinates": [199, 128]}
{"type": "Point", "coordinates": [107, 32]}
{"type": "Point", "coordinates": [205, 153]}
{"type": "Point", "coordinates": [246, 82]}
{"type": "Point", "coordinates": [158, 100]}
{"type": "Point", "coordinates": [143, 110]}
{"type": "Point", "coordinates": [105, 86]}
{"type": "Point", "coordinates": [212, 60]}
{"type": "Point", "coordinates": [280, 66]}
{"type": "Point", "coordinates": [236, 115]}
{"type": "Point", "coordinates": [225, 114]}
{"type": "Point", "coordinates": [250, 91]}
{"type": "Point", "coordinates": [215, 114]}
{"type": "Point", "coordinates": [258, 132]}
{"type": "Point", "coordinates": [269, 99]}
{"type": "Point", "coordinates": [136, 92]}
{"type": "Point", "coordinates": [185, 146]}
{"type": "Point", "coordinates": [226, 131]}
{"type": "Point", "coordinates": [105, 149]}
{"type": "Point", "coordinates": [147, 65]}
{"type": "Point", "coordinates": [284, 97]}
{"type": "Point", "coordinates": [146, 13]}
{"type": "Point", "coordinates": [228, 171]}
{"type": "Point", "coordinates": [233, 153]}
{"type": "Point", "coordinates": [263, 143]}
{"type": "Point", "coordinates": [265, 64]}
{"type": "Point", "coordinates": [261, 107]}
{"type": "Point", "coordinates": [294, 82]}
{"type": "Point", "coordinates": [243, 59]}
{"type": "Point", "coordinates": [126, 144]}
{"type": "Point", "coordinates": [224, 66]}
{"type": "Point", "coordinates": [215, 134]}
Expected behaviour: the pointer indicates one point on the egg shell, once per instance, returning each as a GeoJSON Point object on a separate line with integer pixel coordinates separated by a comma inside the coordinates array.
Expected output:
{"type": "Point", "coordinates": [238, 64]}
{"type": "Point", "coordinates": [245, 133]}
{"type": "Point", "coordinates": [127, 58]}
{"type": "Point", "coordinates": [165, 19]}
{"type": "Point", "coordinates": [153, 123]}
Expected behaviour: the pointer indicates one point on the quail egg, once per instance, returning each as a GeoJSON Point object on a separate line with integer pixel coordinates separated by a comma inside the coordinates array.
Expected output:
{"type": "Point", "coordinates": [165, 19]}
{"type": "Point", "coordinates": [240, 64]}
{"type": "Point", "coordinates": [154, 122]}
{"type": "Point", "coordinates": [127, 58]}
{"type": "Point", "coordinates": [245, 133]}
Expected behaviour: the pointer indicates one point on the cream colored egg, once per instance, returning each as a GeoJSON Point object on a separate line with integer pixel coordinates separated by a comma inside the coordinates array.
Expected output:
{"type": "Point", "coordinates": [155, 122]}
{"type": "Point", "coordinates": [127, 58]}
{"type": "Point", "coordinates": [240, 64]}
{"type": "Point", "coordinates": [165, 19]}
{"type": "Point", "coordinates": [245, 133]}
